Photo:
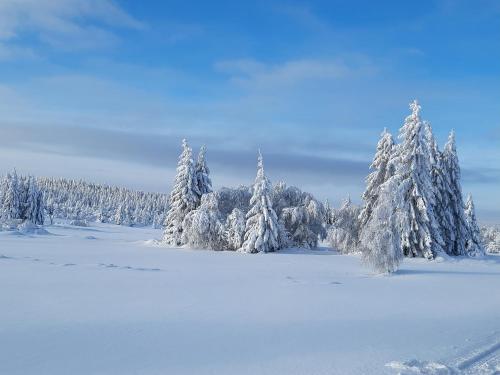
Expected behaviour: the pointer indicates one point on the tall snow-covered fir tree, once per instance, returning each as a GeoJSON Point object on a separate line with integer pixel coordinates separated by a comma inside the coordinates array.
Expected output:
{"type": "Point", "coordinates": [474, 245]}
{"type": "Point", "coordinates": [202, 179]}
{"type": "Point", "coordinates": [262, 228]}
{"type": "Point", "coordinates": [183, 197]}
{"type": "Point", "coordinates": [439, 198]}
{"type": "Point", "coordinates": [413, 173]}
{"type": "Point", "coordinates": [458, 229]}
{"type": "Point", "coordinates": [382, 171]}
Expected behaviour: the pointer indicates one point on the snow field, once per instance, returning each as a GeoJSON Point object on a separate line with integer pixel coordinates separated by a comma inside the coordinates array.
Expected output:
{"type": "Point", "coordinates": [105, 300]}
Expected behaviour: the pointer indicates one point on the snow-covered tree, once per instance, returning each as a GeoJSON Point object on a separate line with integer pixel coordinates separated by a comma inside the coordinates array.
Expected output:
{"type": "Point", "coordinates": [380, 238]}
{"type": "Point", "coordinates": [203, 184]}
{"type": "Point", "coordinates": [328, 213]}
{"type": "Point", "coordinates": [343, 235]}
{"type": "Point", "coordinates": [235, 230]}
{"type": "Point", "coordinates": [474, 245]}
{"type": "Point", "coordinates": [183, 197]}
{"type": "Point", "coordinates": [34, 205]}
{"type": "Point", "coordinates": [490, 237]}
{"type": "Point", "coordinates": [413, 173]}
{"type": "Point", "coordinates": [122, 215]}
{"type": "Point", "coordinates": [458, 229]}
{"type": "Point", "coordinates": [304, 223]}
{"type": "Point", "coordinates": [12, 205]}
{"type": "Point", "coordinates": [439, 205]}
{"type": "Point", "coordinates": [262, 228]}
{"type": "Point", "coordinates": [203, 228]}
{"type": "Point", "coordinates": [382, 171]}
{"type": "Point", "coordinates": [301, 216]}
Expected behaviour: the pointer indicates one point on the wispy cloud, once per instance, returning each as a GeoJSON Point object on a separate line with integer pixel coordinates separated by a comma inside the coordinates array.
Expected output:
{"type": "Point", "coordinates": [64, 24]}
{"type": "Point", "coordinates": [254, 73]}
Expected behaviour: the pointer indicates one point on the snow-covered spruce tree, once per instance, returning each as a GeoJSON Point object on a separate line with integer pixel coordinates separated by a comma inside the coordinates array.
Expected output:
{"type": "Point", "coordinates": [416, 191]}
{"type": "Point", "coordinates": [12, 205]}
{"type": "Point", "coordinates": [122, 215]}
{"type": "Point", "coordinates": [34, 205]}
{"type": "Point", "coordinates": [202, 180]}
{"type": "Point", "coordinates": [203, 228]}
{"type": "Point", "coordinates": [343, 235]}
{"type": "Point", "coordinates": [328, 213]}
{"type": "Point", "coordinates": [183, 197]}
{"type": "Point", "coordinates": [439, 231]}
{"type": "Point", "coordinates": [382, 171]}
{"type": "Point", "coordinates": [474, 245]}
{"type": "Point", "coordinates": [458, 230]}
{"type": "Point", "coordinates": [262, 228]}
{"type": "Point", "coordinates": [380, 239]}
{"type": "Point", "coordinates": [235, 230]}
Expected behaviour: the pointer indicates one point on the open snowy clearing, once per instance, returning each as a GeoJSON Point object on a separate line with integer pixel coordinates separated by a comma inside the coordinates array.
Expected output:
{"type": "Point", "coordinates": [105, 300]}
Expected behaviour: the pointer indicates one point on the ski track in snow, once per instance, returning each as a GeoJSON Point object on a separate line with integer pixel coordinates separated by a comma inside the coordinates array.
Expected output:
{"type": "Point", "coordinates": [482, 359]}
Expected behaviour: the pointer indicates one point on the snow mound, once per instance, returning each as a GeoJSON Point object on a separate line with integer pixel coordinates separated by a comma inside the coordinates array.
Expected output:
{"type": "Point", "coordinates": [414, 366]}
{"type": "Point", "coordinates": [29, 228]}
{"type": "Point", "coordinates": [79, 223]}
{"type": "Point", "coordinates": [90, 238]}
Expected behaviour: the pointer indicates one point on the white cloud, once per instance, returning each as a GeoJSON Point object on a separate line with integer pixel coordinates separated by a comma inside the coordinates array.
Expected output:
{"type": "Point", "coordinates": [68, 24]}
{"type": "Point", "coordinates": [254, 73]}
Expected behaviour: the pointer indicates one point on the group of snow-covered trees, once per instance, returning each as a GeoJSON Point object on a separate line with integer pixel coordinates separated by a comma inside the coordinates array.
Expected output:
{"type": "Point", "coordinates": [80, 200]}
{"type": "Point", "coordinates": [262, 218]}
{"type": "Point", "coordinates": [490, 236]}
{"type": "Point", "coordinates": [21, 200]}
{"type": "Point", "coordinates": [413, 204]}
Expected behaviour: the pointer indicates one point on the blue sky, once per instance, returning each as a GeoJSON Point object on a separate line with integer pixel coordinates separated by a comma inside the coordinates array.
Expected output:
{"type": "Point", "coordinates": [105, 90]}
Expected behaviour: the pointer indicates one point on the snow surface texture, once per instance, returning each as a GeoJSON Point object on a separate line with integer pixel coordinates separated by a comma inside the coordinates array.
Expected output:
{"type": "Point", "coordinates": [104, 300]}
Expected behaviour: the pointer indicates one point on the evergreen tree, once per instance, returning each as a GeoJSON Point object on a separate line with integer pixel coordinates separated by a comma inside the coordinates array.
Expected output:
{"type": "Point", "coordinates": [203, 228]}
{"type": "Point", "coordinates": [416, 190]}
{"type": "Point", "coordinates": [328, 213]}
{"type": "Point", "coordinates": [380, 238]}
{"type": "Point", "coordinates": [122, 215]}
{"type": "Point", "coordinates": [382, 171]}
{"type": "Point", "coordinates": [474, 245]}
{"type": "Point", "coordinates": [458, 228]}
{"type": "Point", "coordinates": [31, 210]}
{"type": "Point", "coordinates": [183, 197]}
{"type": "Point", "coordinates": [262, 229]}
{"type": "Point", "coordinates": [343, 235]}
{"type": "Point", "coordinates": [235, 230]}
{"type": "Point", "coordinates": [439, 205]}
{"type": "Point", "coordinates": [203, 184]}
{"type": "Point", "coordinates": [12, 207]}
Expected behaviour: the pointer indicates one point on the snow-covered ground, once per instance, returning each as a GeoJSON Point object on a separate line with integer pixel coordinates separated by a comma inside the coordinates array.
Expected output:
{"type": "Point", "coordinates": [105, 300]}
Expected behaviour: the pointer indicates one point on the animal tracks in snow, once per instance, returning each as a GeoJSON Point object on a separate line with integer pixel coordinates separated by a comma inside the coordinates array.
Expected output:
{"type": "Point", "coordinates": [295, 280]}
{"type": "Point", "coordinates": [111, 265]}
{"type": "Point", "coordinates": [69, 264]}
